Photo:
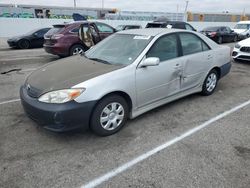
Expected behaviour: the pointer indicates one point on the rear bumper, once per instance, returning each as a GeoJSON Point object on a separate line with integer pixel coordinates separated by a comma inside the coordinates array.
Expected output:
{"type": "Point", "coordinates": [225, 69]}
{"type": "Point", "coordinates": [56, 50]}
{"type": "Point", "coordinates": [57, 117]}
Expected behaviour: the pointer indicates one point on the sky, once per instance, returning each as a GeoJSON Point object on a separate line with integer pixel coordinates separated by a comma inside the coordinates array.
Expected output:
{"type": "Point", "coordinates": [234, 6]}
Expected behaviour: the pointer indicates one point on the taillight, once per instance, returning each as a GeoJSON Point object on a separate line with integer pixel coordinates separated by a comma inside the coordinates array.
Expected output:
{"type": "Point", "coordinates": [57, 36]}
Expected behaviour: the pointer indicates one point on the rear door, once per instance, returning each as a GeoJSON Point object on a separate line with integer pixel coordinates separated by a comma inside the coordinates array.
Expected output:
{"type": "Point", "coordinates": [197, 58]}
{"type": "Point", "coordinates": [104, 30]}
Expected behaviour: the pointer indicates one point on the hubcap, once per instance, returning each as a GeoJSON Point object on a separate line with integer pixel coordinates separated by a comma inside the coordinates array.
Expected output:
{"type": "Point", "coordinates": [77, 51]}
{"type": "Point", "coordinates": [112, 116]}
{"type": "Point", "coordinates": [211, 82]}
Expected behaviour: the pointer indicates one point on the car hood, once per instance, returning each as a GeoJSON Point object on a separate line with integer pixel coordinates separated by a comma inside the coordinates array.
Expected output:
{"type": "Point", "coordinates": [245, 42]}
{"type": "Point", "coordinates": [17, 37]}
{"type": "Point", "coordinates": [65, 73]}
{"type": "Point", "coordinates": [239, 30]}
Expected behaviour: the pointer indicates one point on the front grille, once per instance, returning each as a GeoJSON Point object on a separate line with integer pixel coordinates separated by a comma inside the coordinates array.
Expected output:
{"type": "Point", "coordinates": [32, 92]}
{"type": "Point", "coordinates": [244, 57]}
{"type": "Point", "coordinates": [245, 49]}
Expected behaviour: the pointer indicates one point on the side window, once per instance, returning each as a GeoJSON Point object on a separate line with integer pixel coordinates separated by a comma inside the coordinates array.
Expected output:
{"type": "Point", "coordinates": [164, 48]}
{"type": "Point", "coordinates": [41, 32]}
{"type": "Point", "coordinates": [75, 30]}
{"type": "Point", "coordinates": [190, 43]}
{"type": "Point", "coordinates": [104, 28]}
{"type": "Point", "coordinates": [188, 27]}
{"type": "Point", "coordinates": [205, 46]}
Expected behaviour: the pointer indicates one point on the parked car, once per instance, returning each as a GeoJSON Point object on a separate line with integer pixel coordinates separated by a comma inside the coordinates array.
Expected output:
{"type": "Point", "coordinates": [220, 34]}
{"type": "Point", "coordinates": [113, 82]}
{"type": "Point", "coordinates": [63, 39]}
{"type": "Point", "coordinates": [241, 50]}
{"type": "Point", "coordinates": [125, 27]}
{"type": "Point", "coordinates": [170, 24]}
{"type": "Point", "coordinates": [32, 39]}
{"type": "Point", "coordinates": [243, 29]}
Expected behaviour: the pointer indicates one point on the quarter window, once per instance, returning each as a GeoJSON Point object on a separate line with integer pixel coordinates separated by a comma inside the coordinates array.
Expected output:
{"type": "Point", "coordinates": [165, 48]}
{"type": "Point", "coordinates": [104, 28]}
{"type": "Point", "coordinates": [192, 44]}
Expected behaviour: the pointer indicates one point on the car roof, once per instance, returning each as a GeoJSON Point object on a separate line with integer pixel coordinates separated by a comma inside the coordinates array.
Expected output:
{"type": "Point", "coordinates": [244, 22]}
{"type": "Point", "coordinates": [151, 31]}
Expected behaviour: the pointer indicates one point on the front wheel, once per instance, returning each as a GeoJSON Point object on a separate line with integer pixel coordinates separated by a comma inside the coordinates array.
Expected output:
{"type": "Point", "coordinates": [109, 115]}
{"type": "Point", "coordinates": [210, 83]}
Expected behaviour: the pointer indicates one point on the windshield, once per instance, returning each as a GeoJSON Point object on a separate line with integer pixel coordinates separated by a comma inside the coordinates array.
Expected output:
{"type": "Point", "coordinates": [211, 29]}
{"type": "Point", "coordinates": [120, 49]}
{"type": "Point", "coordinates": [242, 26]}
{"type": "Point", "coordinates": [32, 31]}
{"type": "Point", "coordinates": [55, 29]}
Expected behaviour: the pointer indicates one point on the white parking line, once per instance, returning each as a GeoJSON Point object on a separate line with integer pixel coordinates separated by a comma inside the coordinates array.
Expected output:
{"type": "Point", "coordinates": [124, 167]}
{"type": "Point", "coordinates": [10, 101]}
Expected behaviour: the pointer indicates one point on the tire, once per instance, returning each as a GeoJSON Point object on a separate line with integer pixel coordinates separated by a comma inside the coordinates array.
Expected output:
{"type": "Point", "coordinates": [235, 39]}
{"type": "Point", "coordinates": [114, 111]}
{"type": "Point", "coordinates": [210, 83]}
{"type": "Point", "coordinates": [219, 41]}
{"type": "Point", "coordinates": [24, 44]}
{"type": "Point", "coordinates": [76, 50]}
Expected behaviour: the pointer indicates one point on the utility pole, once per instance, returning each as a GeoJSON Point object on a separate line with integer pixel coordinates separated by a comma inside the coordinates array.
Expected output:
{"type": "Point", "coordinates": [102, 4]}
{"type": "Point", "coordinates": [74, 3]}
{"type": "Point", "coordinates": [186, 7]}
{"type": "Point", "coordinates": [185, 11]}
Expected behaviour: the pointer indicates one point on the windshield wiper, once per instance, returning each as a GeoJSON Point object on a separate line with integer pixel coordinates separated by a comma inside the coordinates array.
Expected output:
{"type": "Point", "coordinates": [100, 60]}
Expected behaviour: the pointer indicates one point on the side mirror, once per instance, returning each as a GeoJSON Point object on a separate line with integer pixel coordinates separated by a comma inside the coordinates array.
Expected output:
{"type": "Point", "coordinates": [151, 61]}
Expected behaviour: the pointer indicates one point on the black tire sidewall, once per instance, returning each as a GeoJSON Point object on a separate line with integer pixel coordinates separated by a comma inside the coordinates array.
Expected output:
{"type": "Point", "coordinates": [21, 42]}
{"type": "Point", "coordinates": [95, 124]}
{"type": "Point", "coordinates": [220, 39]}
{"type": "Point", "coordinates": [205, 92]}
{"type": "Point", "coordinates": [76, 46]}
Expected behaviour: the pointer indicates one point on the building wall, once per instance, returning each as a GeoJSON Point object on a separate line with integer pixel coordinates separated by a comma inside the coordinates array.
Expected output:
{"type": "Point", "coordinates": [13, 26]}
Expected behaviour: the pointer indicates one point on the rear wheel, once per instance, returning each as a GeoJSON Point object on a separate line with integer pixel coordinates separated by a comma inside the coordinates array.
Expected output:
{"type": "Point", "coordinates": [24, 44]}
{"type": "Point", "coordinates": [220, 39]}
{"type": "Point", "coordinates": [109, 115]}
{"type": "Point", "coordinates": [77, 50]}
{"type": "Point", "coordinates": [235, 39]}
{"type": "Point", "coordinates": [210, 83]}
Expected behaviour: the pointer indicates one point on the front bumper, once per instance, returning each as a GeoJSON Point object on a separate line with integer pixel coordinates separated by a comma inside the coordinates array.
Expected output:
{"type": "Point", "coordinates": [12, 44]}
{"type": "Point", "coordinates": [237, 54]}
{"type": "Point", "coordinates": [57, 117]}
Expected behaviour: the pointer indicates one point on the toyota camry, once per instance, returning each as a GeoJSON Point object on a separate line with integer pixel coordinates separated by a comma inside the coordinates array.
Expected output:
{"type": "Point", "coordinates": [124, 76]}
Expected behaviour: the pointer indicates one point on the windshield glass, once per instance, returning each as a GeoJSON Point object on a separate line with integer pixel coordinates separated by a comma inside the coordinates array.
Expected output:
{"type": "Point", "coordinates": [119, 48]}
{"type": "Point", "coordinates": [211, 29]}
{"type": "Point", "coordinates": [242, 26]}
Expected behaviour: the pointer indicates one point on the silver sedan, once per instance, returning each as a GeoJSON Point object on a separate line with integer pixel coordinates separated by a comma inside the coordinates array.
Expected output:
{"type": "Point", "coordinates": [125, 75]}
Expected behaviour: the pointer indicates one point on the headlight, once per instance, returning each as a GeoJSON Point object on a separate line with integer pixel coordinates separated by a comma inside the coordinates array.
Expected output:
{"type": "Point", "coordinates": [61, 96]}
{"type": "Point", "coordinates": [237, 45]}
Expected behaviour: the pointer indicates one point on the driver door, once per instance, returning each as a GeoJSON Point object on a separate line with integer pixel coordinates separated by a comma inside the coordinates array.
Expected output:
{"type": "Point", "coordinates": [154, 83]}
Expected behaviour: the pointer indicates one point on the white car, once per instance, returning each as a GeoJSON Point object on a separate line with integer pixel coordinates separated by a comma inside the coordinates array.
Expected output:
{"type": "Point", "coordinates": [123, 76]}
{"type": "Point", "coordinates": [242, 50]}
{"type": "Point", "coordinates": [242, 28]}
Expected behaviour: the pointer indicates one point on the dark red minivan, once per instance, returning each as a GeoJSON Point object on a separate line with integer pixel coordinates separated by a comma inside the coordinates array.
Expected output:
{"type": "Point", "coordinates": [63, 39]}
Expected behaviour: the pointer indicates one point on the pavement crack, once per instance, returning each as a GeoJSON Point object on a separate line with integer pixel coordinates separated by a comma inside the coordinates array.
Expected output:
{"type": "Point", "coordinates": [11, 70]}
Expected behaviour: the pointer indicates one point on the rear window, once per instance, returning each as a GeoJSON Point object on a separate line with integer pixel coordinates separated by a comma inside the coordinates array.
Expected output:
{"type": "Point", "coordinates": [211, 29]}
{"type": "Point", "coordinates": [154, 25]}
{"type": "Point", "coordinates": [55, 29]}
